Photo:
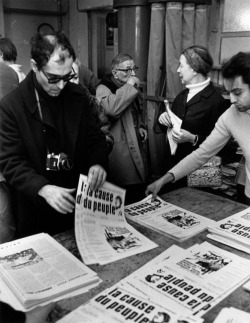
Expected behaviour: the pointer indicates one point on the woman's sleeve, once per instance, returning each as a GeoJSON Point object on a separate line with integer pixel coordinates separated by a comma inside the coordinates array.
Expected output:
{"type": "Point", "coordinates": [209, 148]}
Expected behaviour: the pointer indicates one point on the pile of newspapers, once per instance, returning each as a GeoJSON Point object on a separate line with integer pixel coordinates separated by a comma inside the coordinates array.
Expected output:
{"type": "Point", "coordinates": [37, 270]}
{"type": "Point", "coordinates": [166, 218]}
{"type": "Point", "coordinates": [233, 231]}
{"type": "Point", "coordinates": [179, 285]}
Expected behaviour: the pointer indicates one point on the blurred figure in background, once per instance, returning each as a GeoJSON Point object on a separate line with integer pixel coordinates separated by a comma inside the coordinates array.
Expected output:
{"type": "Point", "coordinates": [98, 110]}
{"type": "Point", "coordinates": [85, 76]}
{"type": "Point", "coordinates": [8, 82]}
{"type": "Point", "coordinates": [8, 55]}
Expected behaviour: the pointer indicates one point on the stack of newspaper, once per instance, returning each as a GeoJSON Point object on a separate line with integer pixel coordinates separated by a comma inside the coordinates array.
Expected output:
{"type": "Point", "coordinates": [233, 231]}
{"type": "Point", "coordinates": [171, 220]}
{"type": "Point", "coordinates": [37, 270]}
{"type": "Point", "coordinates": [188, 282]}
{"type": "Point", "coordinates": [102, 232]}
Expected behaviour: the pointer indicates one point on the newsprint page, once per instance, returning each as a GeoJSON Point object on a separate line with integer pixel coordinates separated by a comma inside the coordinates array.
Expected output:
{"type": "Point", "coordinates": [187, 282]}
{"type": "Point", "coordinates": [102, 232]}
{"type": "Point", "coordinates": [121, 304]}
{"type": "Point", "coordinates": [166, 218]}
{"type": "Point", "coordinates": [233, 231]}
{"type": "Point", "coordinates": [191, 281]}
{"type": "Point", "coordinates": [37, 270]}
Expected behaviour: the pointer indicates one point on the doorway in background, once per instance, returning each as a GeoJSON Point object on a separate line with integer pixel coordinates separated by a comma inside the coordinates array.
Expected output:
{"type": "Point", "coordinates": [103, 43]}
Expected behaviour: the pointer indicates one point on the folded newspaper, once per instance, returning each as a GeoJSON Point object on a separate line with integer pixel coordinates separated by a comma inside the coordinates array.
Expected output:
{"type": "Point", "coordinates": [166, 218]}
{"type": "Point", "coordinates": [176, 125]}
{"type": "Point", "coordinates": [37, 270]}
{"type": "Point", "coordinates": [233, 231]}
{"type": "Point", "coordinates": [102, 232]}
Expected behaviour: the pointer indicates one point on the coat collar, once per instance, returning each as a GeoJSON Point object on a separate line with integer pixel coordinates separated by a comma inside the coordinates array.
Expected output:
{"type": "Point", "coordinates": [27, 92]}
{"type": "Point", "coordinates": [205, 93]}
{"type": "Point", "coordinates": [73, 98]}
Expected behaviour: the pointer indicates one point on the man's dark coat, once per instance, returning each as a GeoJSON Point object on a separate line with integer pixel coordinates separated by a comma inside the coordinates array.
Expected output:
{"type": "Point", "coordinates": [23, 150]}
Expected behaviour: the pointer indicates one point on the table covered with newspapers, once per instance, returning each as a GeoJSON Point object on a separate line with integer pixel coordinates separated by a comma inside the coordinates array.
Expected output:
{"type": "Point", "coordinates": [209, 206]}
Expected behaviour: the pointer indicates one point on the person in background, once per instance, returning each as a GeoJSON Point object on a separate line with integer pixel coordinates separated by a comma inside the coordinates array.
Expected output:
{"type": "Point", "coordinates": [234, 122]}
{"type": "Point", "coordinates": [98, 110]}
{"type": "Point", "coordinates": [198, 106]}
{"type": "Point", "coordinates": [118, 93]}
{"type": "Point", "coordinates": [8, 82]}
{"type": "Point", "coordinates": [85, 76]}
{"type": "Point", "coordinates": [48, 137]}
{"type": "Point", "coordinates": [8, 55]}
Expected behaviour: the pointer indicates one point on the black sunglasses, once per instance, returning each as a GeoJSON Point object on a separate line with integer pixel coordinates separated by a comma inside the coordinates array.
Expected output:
{"type": "Point", "coordinates": [55, 79]}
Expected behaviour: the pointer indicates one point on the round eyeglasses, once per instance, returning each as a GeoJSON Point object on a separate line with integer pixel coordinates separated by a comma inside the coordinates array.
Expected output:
{"type": "Point", "coordinates": [128, 71]}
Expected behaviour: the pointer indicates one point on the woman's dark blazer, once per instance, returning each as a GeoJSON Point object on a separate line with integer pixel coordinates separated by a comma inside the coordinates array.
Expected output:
{"type": "Point", "coordinates": [198, 116]}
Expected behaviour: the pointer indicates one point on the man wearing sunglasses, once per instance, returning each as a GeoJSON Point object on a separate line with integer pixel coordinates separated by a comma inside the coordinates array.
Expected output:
{"type": "Point", "coordinates": [119, 95]}
{"type": "Point", "coordinates": [48, 136]}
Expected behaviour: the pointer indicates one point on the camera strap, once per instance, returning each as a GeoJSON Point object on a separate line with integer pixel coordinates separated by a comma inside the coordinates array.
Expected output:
{"type": "Point", "coordinates": [41, 117]}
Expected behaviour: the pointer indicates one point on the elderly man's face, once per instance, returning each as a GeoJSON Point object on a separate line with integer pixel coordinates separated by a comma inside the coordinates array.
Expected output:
{"type": "Point", "coordinates": [124, 71]}
{"type": "Point", "coordinates": [239, 93]}
{"type": "Point", "coordinates": [59, 65]}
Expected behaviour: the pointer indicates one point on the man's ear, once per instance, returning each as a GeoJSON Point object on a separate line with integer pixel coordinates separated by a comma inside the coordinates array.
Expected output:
{"type": "Point", "coordinates": [115, 73]}
{"type": "Point", "coordinates": [33, 65]}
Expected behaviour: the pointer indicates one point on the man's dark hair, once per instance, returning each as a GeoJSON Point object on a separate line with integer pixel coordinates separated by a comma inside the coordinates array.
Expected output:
{"type": "Point", "coordinates": [8, 49]}
{"type": "Point", "coordinates": [43, 46]}
{"type": "Point", "coordinates": [238, 65]}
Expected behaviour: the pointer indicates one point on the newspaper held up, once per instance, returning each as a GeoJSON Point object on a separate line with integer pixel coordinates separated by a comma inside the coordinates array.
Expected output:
{"type": "Point", "coordinates": [102, 232]}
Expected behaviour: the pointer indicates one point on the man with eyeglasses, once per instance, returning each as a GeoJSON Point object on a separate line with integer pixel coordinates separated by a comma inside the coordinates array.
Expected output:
{"type": "Point", "coordinates": [48, 136]}
{"type": "Point", "coordinates": [119, 94]}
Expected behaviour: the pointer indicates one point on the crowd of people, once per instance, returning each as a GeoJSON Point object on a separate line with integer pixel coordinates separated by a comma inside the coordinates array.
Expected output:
{"type": "Point", "coordinates": [60, 121]}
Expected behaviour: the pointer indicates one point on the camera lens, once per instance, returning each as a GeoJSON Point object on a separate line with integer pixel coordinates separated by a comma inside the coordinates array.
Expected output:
{"type": "Point", "coordinates": [66, 164]}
